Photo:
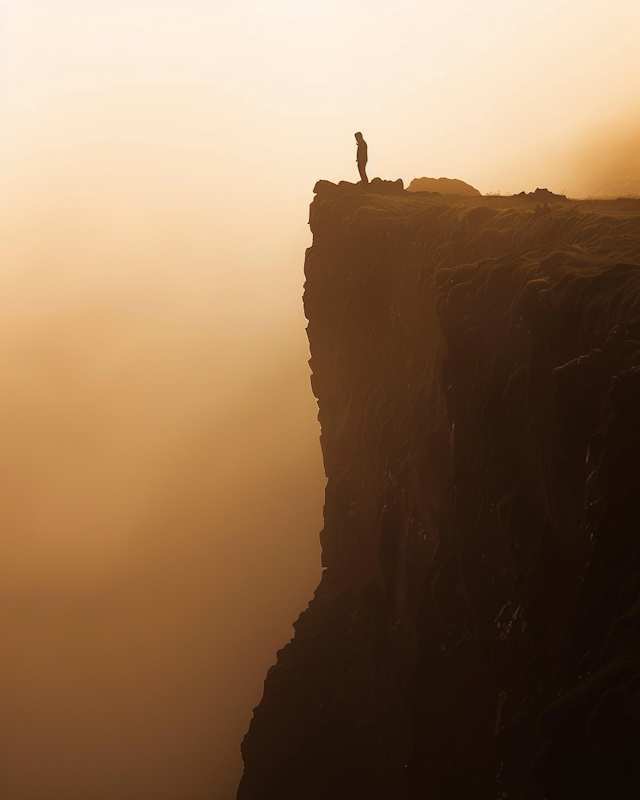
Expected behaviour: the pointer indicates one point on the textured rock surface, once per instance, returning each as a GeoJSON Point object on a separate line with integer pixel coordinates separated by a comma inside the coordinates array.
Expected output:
{"type": "Point", "coordinates": [476, 633]}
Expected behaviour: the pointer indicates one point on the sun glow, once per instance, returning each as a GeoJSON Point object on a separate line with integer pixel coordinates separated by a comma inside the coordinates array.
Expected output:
{"type": "Point", "coordinates": [307, 12]}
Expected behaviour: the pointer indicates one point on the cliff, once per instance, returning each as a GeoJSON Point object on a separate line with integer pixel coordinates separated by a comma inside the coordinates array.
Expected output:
{"type": "Point", "coordinates": [476, 633]}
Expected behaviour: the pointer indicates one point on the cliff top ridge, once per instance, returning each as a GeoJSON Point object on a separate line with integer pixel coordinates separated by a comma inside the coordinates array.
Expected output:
{"type": "Point", "coordinates": [387, 194]}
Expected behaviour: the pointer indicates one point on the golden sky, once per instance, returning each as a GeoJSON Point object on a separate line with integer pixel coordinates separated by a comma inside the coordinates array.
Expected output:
{"type": "Point", "coordinates": [497, 93]}
{"type": "Point", "coordinates": [161, 476]}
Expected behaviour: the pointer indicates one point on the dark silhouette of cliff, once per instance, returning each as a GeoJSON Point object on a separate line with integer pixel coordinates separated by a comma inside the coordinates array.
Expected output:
{"type": "Point", "coordinates": [476, 632]}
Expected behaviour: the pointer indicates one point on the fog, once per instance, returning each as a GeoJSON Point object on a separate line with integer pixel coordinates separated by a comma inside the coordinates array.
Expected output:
{"type": "Point", "coordinates": [162, 482]}
{"type": "Point", "coordinates": [162, 491]}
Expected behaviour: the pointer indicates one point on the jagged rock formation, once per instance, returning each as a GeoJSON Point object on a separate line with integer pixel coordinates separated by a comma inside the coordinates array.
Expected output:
{"type": "Point", "coordinates": [443, 186]}
{"type": "Point", "coordinates": [375, 186]}
{"type": "Point", "coordinates": [476, 633]}
{"type": "Point", "coordinates": [543, 194]}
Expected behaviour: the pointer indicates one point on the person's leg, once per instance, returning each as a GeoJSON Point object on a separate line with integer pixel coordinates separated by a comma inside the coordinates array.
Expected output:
{"type": "Point", "coordinates": [362, 169]}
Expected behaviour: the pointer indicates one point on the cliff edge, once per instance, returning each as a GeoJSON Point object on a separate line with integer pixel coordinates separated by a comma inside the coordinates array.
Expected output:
{"type": "Point", "coordinates": [476, 632]}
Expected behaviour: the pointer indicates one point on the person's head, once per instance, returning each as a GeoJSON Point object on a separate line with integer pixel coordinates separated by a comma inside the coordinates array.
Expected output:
{"type": "Point", "coordinates": [358, 137]}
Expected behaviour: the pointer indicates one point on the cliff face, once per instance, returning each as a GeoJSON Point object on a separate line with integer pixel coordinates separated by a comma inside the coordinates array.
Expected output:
{"type": "Point", "coordinates": [476, 633]}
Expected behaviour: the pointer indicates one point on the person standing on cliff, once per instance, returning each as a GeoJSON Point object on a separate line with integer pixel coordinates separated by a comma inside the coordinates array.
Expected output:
{"type": "Point", "coordinates": [361, 158]}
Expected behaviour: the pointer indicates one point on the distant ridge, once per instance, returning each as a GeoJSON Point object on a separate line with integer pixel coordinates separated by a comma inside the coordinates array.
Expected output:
{"type": "Point", "coordinates": [443, 186]}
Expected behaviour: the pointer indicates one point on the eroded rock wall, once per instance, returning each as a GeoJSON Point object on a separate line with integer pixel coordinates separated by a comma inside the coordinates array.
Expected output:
{"type": "Point", "coordinates": [476, 633]}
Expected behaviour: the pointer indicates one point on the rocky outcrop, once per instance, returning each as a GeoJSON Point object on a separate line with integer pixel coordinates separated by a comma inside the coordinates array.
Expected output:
{"type": "Point", "coordinates": [443, 186]}
{"type": "Point", "coordinates": [476, 633]}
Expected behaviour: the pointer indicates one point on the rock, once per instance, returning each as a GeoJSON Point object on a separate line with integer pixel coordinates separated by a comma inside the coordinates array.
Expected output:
{"type": "Point", "coordinates": [543, 194]}
{"type": "Point", "coordinates": [443, 186]}
{"type": "Point", "coordinates": [375, 186]}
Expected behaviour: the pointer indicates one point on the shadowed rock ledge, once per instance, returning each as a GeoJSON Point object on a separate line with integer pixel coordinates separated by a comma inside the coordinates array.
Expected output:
{"type": "Point", "coordinates": [476, 633]}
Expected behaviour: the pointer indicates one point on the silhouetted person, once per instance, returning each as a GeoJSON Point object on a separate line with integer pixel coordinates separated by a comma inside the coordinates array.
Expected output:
{"type": "Point", "coordinates": [361, 158]}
